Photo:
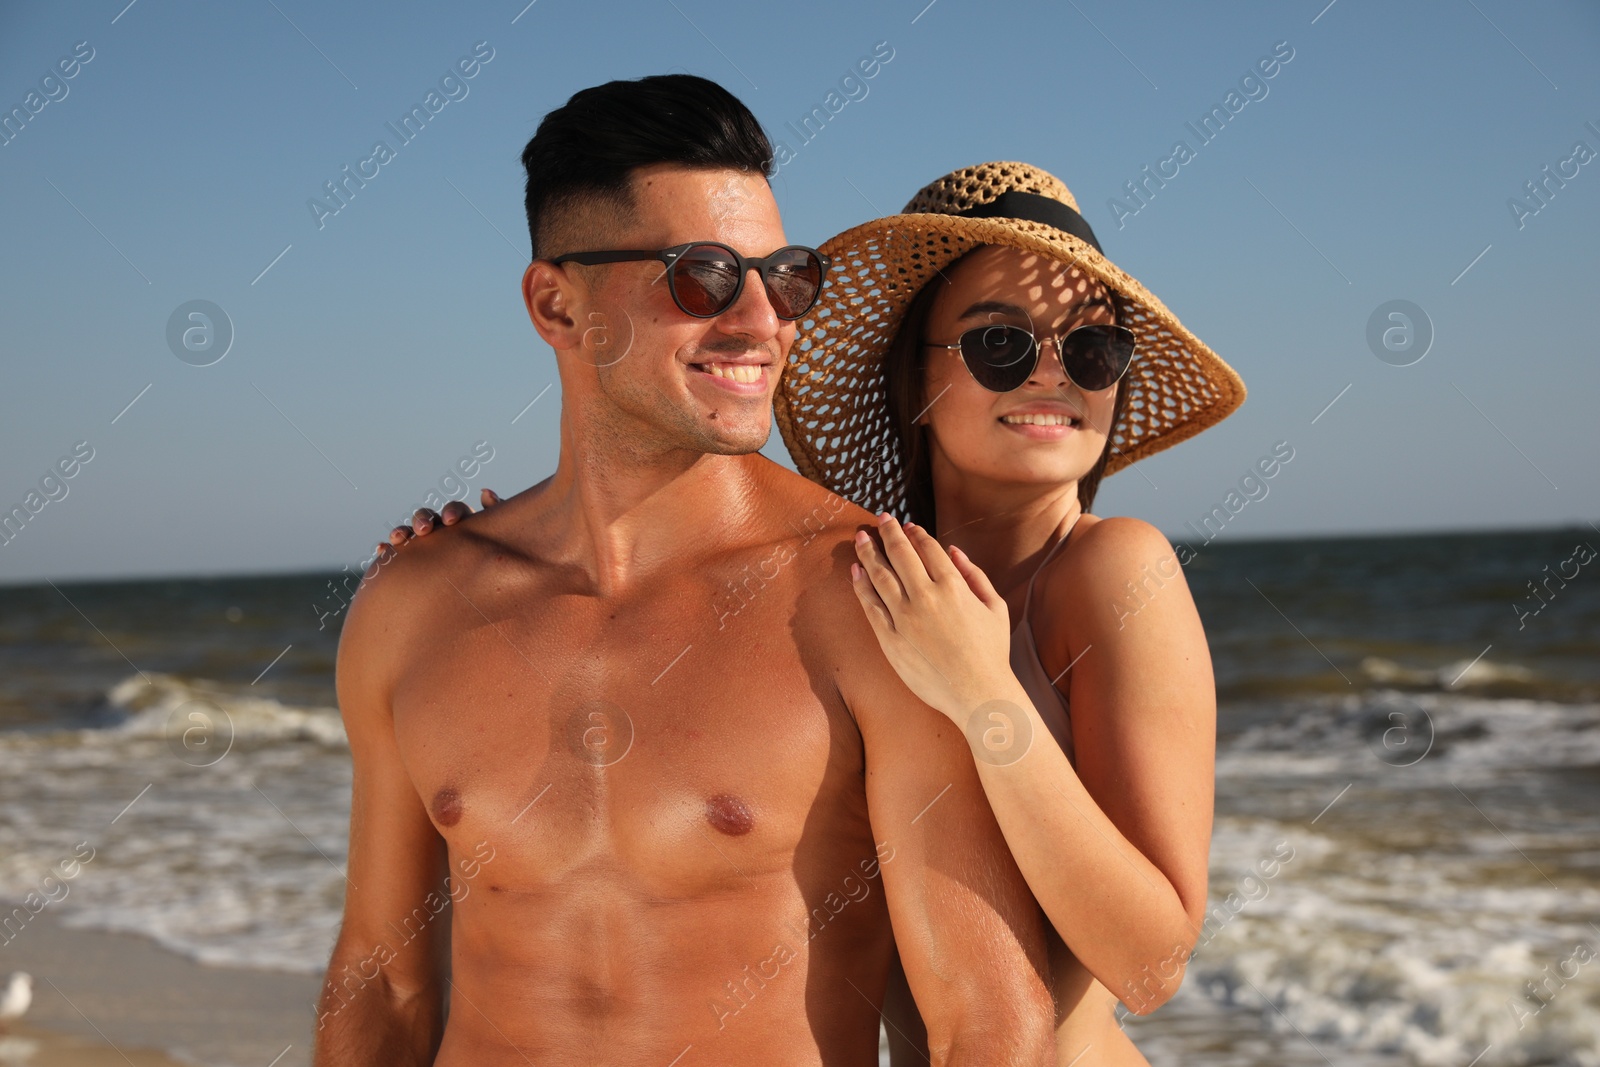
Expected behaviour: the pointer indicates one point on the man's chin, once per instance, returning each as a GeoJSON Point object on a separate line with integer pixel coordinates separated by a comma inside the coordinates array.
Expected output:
{"type": "Point", "coordinates": [740, 442]}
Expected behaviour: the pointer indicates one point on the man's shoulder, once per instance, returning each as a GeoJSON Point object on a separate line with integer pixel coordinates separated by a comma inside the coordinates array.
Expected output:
{"type": "Point", "coordinates": [402, 587]}
{"type": "Point", "coordinates": [820, 527]}
{"type": "Point", "coordinates": [820, 516]}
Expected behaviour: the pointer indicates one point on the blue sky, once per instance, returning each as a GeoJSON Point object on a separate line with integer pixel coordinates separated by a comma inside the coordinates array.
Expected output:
{"type": "Point", "coordinates": [373, 348]}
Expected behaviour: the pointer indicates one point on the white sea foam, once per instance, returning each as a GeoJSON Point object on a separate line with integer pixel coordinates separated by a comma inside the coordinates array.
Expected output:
{"type": "Point", "coordinates": [1463, 673]}
{"type": "Point", "coordinates": [1401, 931]}
{"type": "Point", "coordinates": [150, 701]}
{"type": "Point", "coordinates": [1359, 948]}
{"type": "Point", "coordinates": [1451, 735]}
{"type": "Point", "coordinates": [233, 861]}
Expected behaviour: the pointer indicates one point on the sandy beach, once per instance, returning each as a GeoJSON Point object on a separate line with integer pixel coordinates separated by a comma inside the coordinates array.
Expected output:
{"type": "Point", "coordinates": [104, 998]}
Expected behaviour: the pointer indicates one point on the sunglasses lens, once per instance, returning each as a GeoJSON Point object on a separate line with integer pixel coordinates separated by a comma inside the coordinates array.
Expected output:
{"type": "Point", "coordinates": [999, 357]}
{"type": "Point", "coordinates": [705, 280]}
{"type": "Point", "coordinates": [1096, 357]}
{"type": "Point", "coordinates": [794, 278]}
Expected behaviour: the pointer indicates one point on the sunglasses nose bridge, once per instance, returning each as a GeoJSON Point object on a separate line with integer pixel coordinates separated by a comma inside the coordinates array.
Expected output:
{"type": "Point", "coordinates": [761, 316]}
{"type": "Point", "coordinates": [1054, 365]}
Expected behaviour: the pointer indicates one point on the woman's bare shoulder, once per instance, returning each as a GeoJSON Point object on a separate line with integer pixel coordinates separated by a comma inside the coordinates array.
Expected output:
{"type": "Point", "coordinates": [1110, 563]}
{"type": "Point", "coordinates": [1114, 548]}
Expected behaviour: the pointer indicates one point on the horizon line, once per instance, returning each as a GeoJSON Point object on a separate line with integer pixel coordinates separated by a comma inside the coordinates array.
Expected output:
{"type": "Point", "coordinates": [322, 571]}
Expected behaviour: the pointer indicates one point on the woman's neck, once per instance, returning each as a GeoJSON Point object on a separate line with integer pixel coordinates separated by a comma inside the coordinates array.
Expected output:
{"type": "Point", "coordinates": [1006, 530]}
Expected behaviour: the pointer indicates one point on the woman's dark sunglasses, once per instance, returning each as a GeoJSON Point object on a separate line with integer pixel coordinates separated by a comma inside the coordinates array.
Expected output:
{"type": "Point", "coordinates": [706, 278]}
{"type": "Point", "coordinates": [1002, 358]}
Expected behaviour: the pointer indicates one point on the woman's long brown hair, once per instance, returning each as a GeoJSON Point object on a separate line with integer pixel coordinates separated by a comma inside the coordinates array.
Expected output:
{"type": "Point", "coordinates": [905, 367]}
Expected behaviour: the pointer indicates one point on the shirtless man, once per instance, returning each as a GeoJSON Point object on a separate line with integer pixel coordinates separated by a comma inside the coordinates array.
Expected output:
{"type": "Point", "coordinates": [633, 782]}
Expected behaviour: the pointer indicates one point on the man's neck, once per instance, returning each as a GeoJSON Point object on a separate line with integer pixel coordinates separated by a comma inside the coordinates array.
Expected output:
{"type": "Point", "coordinates": [622, 515]}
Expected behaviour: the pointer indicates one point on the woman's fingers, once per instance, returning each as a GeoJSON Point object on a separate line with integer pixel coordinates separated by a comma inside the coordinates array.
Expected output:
{"type": "Point", "coordinates": [425, 520]}
{"type": "Point", "coordinates": [976, 580]}
{"type": "Point", "coordinates": [907, 562]}
{"type": "Point", "coordinates": [877, 614]}
{"type": "Point", "coordinates": [934, 558]}
{"type": "Point", "coordinates": [880, 572]}
{"type": "Point", "coordinates": [488, 498]}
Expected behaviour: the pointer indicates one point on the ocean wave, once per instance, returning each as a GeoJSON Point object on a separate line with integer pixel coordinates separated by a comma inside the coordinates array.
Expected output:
{"type": "Point", "coordinates": [163, 706]}
{"type": "Point", "coordinates": [1358, 948]}
{"type": "Point", "coordinates": [1469, 673]}
{"type": "Point", "coordinates": [219, 817]}
{"type": "Point", "coordinates": [1380, 729]}
{"type": "Point", "coordinates": [1443, 989]}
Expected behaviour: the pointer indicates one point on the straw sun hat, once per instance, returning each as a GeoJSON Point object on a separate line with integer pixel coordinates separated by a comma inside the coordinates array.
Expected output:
{"type": "Point", "coordinates": [831, 405]}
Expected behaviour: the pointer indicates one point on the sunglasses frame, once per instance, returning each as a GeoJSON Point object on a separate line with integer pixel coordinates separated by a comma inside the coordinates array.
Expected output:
{"type": "Point", "coordinates": [1037, 350]}
{"type": "Point", "coordinates": [670, 257]}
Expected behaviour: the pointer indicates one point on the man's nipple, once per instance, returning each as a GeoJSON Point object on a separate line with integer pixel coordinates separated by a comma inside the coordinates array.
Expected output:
{"type": "Point", "coordinates": [447, 807]}
{"type": "Point", "coordinates": [730, 814]}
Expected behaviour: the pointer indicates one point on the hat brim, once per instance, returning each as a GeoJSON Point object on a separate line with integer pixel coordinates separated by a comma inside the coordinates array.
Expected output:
{"type": "Point", "coordinates": [832, 399]}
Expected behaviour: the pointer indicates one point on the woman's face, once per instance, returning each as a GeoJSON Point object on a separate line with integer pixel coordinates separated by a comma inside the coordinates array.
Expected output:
{"type": "Point", "coordinates": [1048, 431]}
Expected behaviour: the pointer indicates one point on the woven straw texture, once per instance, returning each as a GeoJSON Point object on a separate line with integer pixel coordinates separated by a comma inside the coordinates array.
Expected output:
{"type": "Point", "coordinates": [831, 401]}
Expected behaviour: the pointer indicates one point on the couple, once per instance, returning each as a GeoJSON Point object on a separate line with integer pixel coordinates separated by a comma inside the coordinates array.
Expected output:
{"type": "Point", "coordinates": [677, 833]}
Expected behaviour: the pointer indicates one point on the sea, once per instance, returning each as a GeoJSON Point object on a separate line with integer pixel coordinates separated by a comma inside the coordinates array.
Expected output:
{"type": "Point", "coordinates": [1405, 867]}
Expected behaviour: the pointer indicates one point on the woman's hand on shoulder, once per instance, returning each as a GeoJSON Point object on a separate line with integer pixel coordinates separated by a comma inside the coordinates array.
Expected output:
{"type": "Point", "coordinates": [425, 520]}
{"type": "Point", "coordinates": [939, 621]}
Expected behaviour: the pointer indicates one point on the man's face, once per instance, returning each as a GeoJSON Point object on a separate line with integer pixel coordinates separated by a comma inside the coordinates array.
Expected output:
{"type": "Point", "coordinates": [677, 381]}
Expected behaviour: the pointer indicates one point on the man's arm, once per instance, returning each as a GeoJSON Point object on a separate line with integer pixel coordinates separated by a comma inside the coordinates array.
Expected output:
{"type": "Point", "coordinates": [970, 934]}
{"type": "Point", "coordinates": [383, 1000]}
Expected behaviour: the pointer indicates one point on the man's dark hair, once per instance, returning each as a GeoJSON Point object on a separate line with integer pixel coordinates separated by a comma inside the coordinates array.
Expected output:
{"type": "Point", "coordinates": [586, 150]}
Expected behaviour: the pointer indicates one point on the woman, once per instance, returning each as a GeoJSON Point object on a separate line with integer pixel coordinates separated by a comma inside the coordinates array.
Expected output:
{"type": "Point", "coordinates": [976, 366]}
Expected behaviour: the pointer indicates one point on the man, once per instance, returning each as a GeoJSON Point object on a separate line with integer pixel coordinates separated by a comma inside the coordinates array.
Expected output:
{"type": "Point", "coordinates": [633, 782]}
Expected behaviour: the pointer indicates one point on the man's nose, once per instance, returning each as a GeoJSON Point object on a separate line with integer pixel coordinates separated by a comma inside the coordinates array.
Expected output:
{"type": "Point", "coordinates": [752, 314]}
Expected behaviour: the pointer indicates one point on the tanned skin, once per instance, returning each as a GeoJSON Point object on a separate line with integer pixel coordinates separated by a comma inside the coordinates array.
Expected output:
{"type": "Point", "coordinates": [644, 688]}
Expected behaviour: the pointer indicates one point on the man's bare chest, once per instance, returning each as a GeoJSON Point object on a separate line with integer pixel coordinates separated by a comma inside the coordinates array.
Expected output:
{"type": "Point", "coordinates": [651, 742]}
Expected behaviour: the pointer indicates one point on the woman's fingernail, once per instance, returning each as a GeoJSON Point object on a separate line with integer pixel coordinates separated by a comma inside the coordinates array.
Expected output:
{"type": "Point", "coordinates": [855, 571]}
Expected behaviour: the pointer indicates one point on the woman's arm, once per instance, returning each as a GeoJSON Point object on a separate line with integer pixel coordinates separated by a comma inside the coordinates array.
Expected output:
{"type": "Point", "coordinates": [1115, 851]}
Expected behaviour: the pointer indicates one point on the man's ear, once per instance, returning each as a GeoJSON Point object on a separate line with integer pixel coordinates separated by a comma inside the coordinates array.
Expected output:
{"type": "Point", "coordinates": [550, 294]}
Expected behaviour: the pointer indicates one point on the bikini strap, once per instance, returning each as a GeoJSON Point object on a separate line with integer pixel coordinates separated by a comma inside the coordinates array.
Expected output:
{"type": "Point", "coordinates": [1027, 600]}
